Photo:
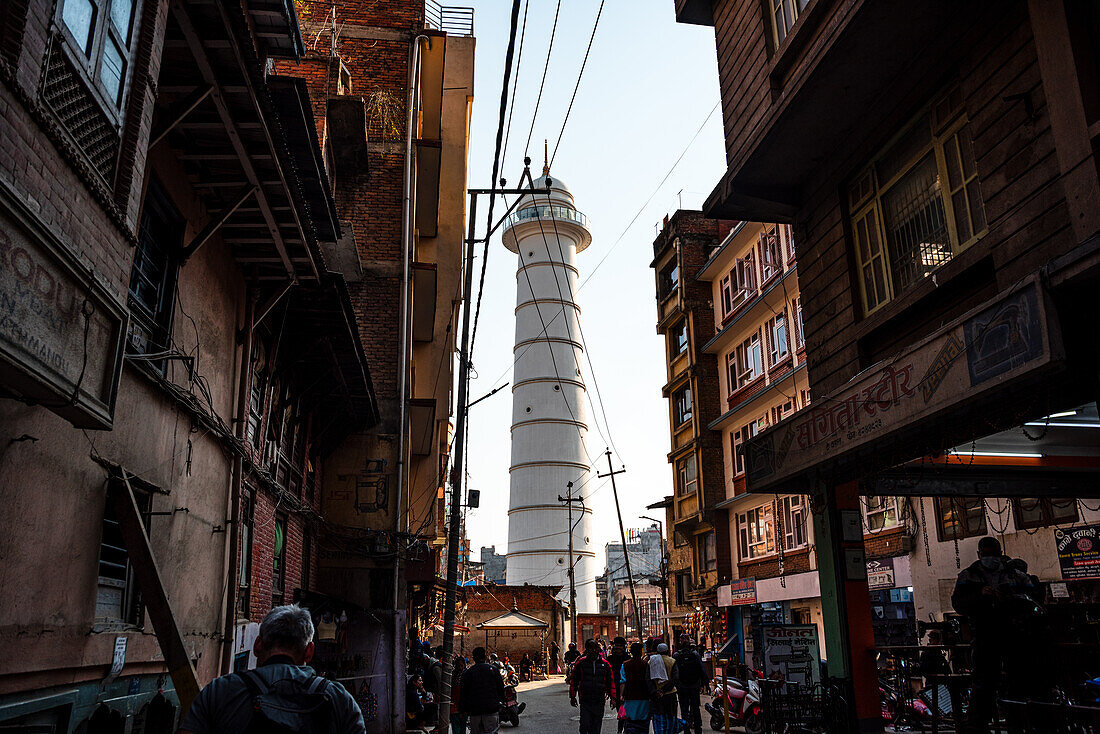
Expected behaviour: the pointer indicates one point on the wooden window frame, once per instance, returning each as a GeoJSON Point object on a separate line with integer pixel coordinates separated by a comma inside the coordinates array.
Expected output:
{"type": "Point", "coordinates": [774, 357]}
{"type": "Point", "coordinates": [865, 195]}
{"type": "Point", "coordinates": [792, 8]}
{"type": "Point", "coordinates": [742, 434]}
{"type": "Point", "coordinates": [756, 528]}
{"type": "Point", "coordinates": [89, 63]}
{"type": "Point", "coordinates": [770, 255]}
{"type": "Point", "coordinates": [155, 319]}
{"type": "Point", "coordinates": [675, 349]}
{"type": "Point", "coordinates": [706, 561]}
{"type": "Point", "coordinates": [888, 505]}
{"type": "Point", "coordinates": [686, 487]}
{"type": "Point", "coordinates": [943, 533]}
{"type": "Point", "coordinates": [743, 350]}
{"type": "Point", "coordinates": [791, 506]}
{"type": "Point", "coordinates": [682, 407]}
{"type": "Point", "coordinates": [1046, 506]}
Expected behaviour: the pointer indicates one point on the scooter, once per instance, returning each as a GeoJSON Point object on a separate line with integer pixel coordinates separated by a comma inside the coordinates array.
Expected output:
{"type": "Point", "coordinates": [914, 711]}
{"type": "Point", "coordinates": [511, 708]}
{"type": "Point", "coordinates": [744, 705]}
{"type": "Point", "coordinates": [508, 674]}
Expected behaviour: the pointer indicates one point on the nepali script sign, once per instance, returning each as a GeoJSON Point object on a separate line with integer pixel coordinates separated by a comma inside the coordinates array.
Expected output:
{"type": "Point", "coordinates": [791, 651]}
{"type": "Point", "coordinates": [993, 344]}
{"type": "Point", "coordinates": [1079, 552]}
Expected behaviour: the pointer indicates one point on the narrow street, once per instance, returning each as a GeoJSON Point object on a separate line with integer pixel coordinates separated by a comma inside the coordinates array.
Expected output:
{"type": "Point", "coordinates": [548, 707]}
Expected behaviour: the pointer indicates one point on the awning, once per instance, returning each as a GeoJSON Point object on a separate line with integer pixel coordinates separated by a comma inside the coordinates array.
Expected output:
{"type": "Point", "coordinates": [513, 620]}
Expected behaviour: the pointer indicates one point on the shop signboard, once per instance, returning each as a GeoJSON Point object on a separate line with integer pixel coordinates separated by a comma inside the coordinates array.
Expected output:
{"type": "Point", "coordinates": [61, 331]}
{"type": "Point", "coordinates": [791, 652]}
{"type": "Point", "coordinates": [880, 574]}
{"type": "Point", "coordinates": [737, 593]}
{"type": "Point", "coordinates": [993, 345]}
{"type": "Point", "coordinates": [1079, 552]}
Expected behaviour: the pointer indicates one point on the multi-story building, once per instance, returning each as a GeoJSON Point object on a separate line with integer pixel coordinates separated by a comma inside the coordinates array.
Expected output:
{"type": "Point", "coordinates": [699, 548]}
{"type": "Point", "coordinates": [938, 166]}
{"type": "Point", "coordinates": [178, 361]}
{"type": "Point", "coordinates": [644, 549]}
{"type": "Point", "coordinates": [495, 564]}
{"type": "Point", "coordinates": [650, 611]}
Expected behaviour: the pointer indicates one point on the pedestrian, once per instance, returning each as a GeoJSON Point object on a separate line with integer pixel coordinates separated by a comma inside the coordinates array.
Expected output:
{"type": "Point", "coordinates": [664, 707]}
{"type": "Point", "coordinates": [482, 692]}
{"type": "Point", "coordinates": [637, 691]}
{"type": "Point", "coordinates": [458, 718]}
{"type": "Point", "coordinates": [555, 658]}
{"type": "Point", "coordinates": [525, 664]}
{"type": "Point", "coordinates": [592, 683]}
{"type": "Point", "coordinates": [572, 654]}
{"type": "Point", "coordinates": [996, 595]}
{"type": "Point", "coordinates": [420, 707]}
{"type": "Point", "coordinates": [618, 656]}
{"type": "Point", "coordinates": [690, 678]}
{"type": "Point", "coordinates": [254, 698]}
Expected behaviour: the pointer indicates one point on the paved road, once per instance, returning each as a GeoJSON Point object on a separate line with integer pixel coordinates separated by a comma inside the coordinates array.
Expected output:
{"type": "Point", "coordinates": [548, 710]}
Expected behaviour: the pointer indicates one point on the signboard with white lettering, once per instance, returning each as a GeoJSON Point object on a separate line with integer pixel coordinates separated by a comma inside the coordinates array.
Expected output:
{"type": "Point", "coordinates": [61, 332]}
{"type": "Point", "coordinates": [737, 593]}
{"type": "Point", "coordinates": [992, 345]}
{"type": "Point", "coordinates": [880, 574]}
{"type": "Point", "coordinates": [1079, 552]}
{"type": "Point", "coordinates": [791, 651]}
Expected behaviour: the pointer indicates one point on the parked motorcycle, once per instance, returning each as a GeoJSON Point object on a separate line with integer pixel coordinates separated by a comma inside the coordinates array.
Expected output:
{"type": "Point", "coordinates": [745, 708]}
{"type": "Point", "coordinates": [914, 710]}
{"type": "Point", "coordinates": [509, 675]}
{"type": "Point", "coordinates": [511, 708]}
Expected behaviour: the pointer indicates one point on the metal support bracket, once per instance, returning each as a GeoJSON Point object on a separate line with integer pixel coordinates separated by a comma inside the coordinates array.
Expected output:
{"type": "Point", "coordinates": [216, 223]}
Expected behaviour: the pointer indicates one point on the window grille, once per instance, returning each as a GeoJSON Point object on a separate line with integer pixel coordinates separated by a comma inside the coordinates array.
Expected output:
{"type": "Point", "coordinates": [74, 105]}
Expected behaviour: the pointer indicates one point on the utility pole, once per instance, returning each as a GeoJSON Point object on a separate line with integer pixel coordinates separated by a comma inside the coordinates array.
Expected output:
{"type": "Point", "coordinates": [569, 499]}
{"type": "Point", "coordinates": [622, 535]}
{"type": "Point", "coordinates": [664, 574]}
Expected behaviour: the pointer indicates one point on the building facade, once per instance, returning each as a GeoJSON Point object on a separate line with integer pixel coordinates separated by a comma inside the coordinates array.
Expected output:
{"type": "Point", "coordinates": [645, 549]}
{"type": "Point", "coordinates": [699, 558]}
{"type": "Point", "coordinates": [494, 564]}
{"type": "Point", "coordinates": [945, 206]}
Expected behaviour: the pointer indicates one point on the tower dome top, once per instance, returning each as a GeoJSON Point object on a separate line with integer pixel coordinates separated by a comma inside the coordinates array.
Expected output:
{"type": "Point", "coordinates": [556, 184]}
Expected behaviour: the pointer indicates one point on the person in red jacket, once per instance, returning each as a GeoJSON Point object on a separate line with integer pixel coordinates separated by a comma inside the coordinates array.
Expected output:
{"type": "Point", "coordinates": [593, 682]}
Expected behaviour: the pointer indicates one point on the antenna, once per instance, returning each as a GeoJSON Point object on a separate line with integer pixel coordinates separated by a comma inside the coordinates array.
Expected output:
{"type": "Point", "coordinates": [545, 157]}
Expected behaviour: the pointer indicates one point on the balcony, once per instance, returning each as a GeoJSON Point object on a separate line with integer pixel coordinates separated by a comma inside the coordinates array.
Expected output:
{"type": "Point", "coordinates": [452, 20]}
{"type": "Point", "coordinates": [546, 212]}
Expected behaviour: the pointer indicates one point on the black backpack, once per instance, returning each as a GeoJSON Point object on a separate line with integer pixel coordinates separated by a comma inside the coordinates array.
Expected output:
{"type": "Point", "coordinates": [278, 710]}
{"type": "Point", "coordinates": [690, 669]}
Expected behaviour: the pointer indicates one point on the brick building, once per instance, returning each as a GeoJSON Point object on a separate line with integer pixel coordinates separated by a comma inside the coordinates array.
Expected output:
{"type": "Point", "coordinates": [178, 362]}
{"type": "Point", "coordinates": [500, 620]}
{"type": "Point", "coordinates": [945, 209]}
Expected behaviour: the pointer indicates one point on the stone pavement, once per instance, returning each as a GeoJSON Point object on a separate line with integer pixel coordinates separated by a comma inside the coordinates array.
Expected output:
{"type": "Point", "coordinates": [548, 710]}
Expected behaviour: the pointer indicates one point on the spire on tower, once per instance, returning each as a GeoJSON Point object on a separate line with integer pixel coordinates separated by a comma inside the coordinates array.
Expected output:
{"type": "Point", "coordinates": [545, 158]}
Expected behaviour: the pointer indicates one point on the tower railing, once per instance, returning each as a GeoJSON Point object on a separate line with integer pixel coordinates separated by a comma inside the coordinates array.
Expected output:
{"type": "Point", "coordinates": [558, 212]}
{"type": "Point", "coordinates": [454, 20]}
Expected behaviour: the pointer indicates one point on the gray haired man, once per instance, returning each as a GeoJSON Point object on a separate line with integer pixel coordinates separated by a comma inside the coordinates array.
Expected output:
{"type": "Point", "coordinates": [239, 702]}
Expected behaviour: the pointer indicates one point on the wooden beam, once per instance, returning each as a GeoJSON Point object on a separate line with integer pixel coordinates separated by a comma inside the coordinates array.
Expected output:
{"type": "Point", "coordinates": [179, 11]}
{"type": "Point", "coordinates": [215, 224]}
{"type": "Point", "coordinates": [179, 111]}
{"type": "Point", "coordinates": [153, 594]}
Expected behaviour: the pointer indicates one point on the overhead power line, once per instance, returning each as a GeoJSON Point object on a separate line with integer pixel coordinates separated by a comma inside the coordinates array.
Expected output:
{"type": "Point", "coordinates": [515, 83]}
{"type": "Point", "coordinates": [545, 68]}
{"type": "Point", "coordinates": [578, 84]}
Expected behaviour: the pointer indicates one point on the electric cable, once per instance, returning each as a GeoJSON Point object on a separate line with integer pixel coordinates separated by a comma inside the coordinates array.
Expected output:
{"type": "Point", "coordinates": [599, 14]}
{"type": "Point", "coordinates": [545, 68]}
{"type": "Point", "coordinates": [515, 82]}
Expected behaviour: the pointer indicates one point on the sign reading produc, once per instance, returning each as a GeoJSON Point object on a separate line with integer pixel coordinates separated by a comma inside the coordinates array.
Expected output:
{"type": "Point", "coordinates": [1079, 552]}
{"type": "Point", "coordinates": [61, 332]}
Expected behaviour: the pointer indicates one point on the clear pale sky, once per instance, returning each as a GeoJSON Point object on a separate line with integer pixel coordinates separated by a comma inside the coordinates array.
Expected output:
{"type": "Point", "coordinates": [648, 86]}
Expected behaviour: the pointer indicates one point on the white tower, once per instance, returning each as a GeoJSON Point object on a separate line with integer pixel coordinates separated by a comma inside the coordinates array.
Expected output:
{"type": "Point", "coordinates": [549, 412]}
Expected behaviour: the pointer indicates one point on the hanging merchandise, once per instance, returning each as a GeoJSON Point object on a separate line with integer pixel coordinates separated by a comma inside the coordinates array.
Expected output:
{"type": "Point", "coordinates": [368, 702]}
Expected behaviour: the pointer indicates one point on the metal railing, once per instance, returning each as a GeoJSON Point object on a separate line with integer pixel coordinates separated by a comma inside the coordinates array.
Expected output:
{"type": "Point", "coordinates": [455, 20]}
{"type": "Point", "coordinates": [557, 212]}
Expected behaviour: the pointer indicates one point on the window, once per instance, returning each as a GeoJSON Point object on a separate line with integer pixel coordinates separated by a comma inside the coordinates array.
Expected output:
{"type": "Point", "coordinates": [153, 277]}
{"type": "Point", "coordinates": [755, 529]}
{"type": "Point", "coordinates": [244, 577]}
{"type": "Point", "coordinates": [771, 255]}
{"type": "Point", "coordinates": [742, 434]}
{"type": "Point", "coordinates": [804, 397]}
{"type": "Point", "coordinates": [678, 339]}
{"type": "Point", "coordinates": [683, 587]}
{"type": "Point", "coordinates": [707, 552]}
{"type": "Point", "coordinates": [787, 236]}
{"type": "Point", "coordinates": [730, 296]}
{"type": "Point", "coordinates": [686, 474]}
{"type": "Point", "coordinates": [100, 32]}
{"type": "Point", "coordinates": [778, 345]}
{"type": "Point", "coordinates": [669, 280]}
{"type": "Point", "coordinates": [117, 599]}
{"type": "Point", "coordinates": [799, 334]}
{"type": "Point", "coordinates": [745, 274]}
{"type": "Point", "coordinates": [1036, 513]}
{"type": "Point", "coordinates": [781, 17]}
{"type": "Point", "coordinates": [780, 412]}
{"type": "Point", "coordinates": [681, 405]}
{"type": "Point", "coordinates": [793, 509]}
{"type": "Point", "coordinates": [881, 513]}
{"type": "Point", "coordinates": [278, 568]}
{"type": "Point", "coordinates": [960, 517]}
{"type": "Point", "coordinates": [750, 361]}
{"type": "Point", "coordinates": [917, 205]}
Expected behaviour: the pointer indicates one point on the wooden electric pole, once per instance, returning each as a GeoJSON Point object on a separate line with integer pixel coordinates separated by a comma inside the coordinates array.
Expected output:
{"type": "Point", "coordinates": [622, 535]}
{"type": "Point", "coordinates": [569, 499]}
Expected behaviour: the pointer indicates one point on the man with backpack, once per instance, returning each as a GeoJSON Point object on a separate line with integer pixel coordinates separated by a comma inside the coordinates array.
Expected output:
{"type": "Point", "coordinates": [593, 683]}
{"type": "Point", "coordinates": [690, 678]}
{"type": "Point", "coordinates": [282, 694]}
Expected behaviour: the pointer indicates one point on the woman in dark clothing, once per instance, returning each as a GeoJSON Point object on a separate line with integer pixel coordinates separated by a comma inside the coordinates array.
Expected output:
{"type": "Point", "coordinates": [525, 664]}
{"type": "Point", "coordinates": [637, 689]}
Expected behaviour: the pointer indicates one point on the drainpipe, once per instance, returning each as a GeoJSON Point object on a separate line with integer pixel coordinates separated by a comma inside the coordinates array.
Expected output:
{"type": "Point", "coordinates": [403, 368]}
{"type": "Point", "coordinates": [232, 525]}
